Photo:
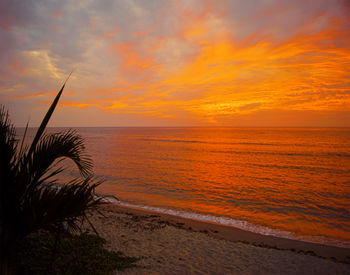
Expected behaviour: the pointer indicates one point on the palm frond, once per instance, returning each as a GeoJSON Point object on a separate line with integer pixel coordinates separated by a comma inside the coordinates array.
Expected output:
{"type": "Point", "coordinates": [8, 142]}
{"type": "Point", "coordinates": [8, 147]}
{"type": "Point", "coordinates": [47, 117]}
{"type": "Point", "coordinates": [45, 121]}
{"type": "Point", "coordinates": [23, 138]}
{"type": "Point", "coordinates": [50, 207]}
{"type": "Point", "coordinates": [30, 198]}
{"type": "Point", "coordinates": [52, 147]}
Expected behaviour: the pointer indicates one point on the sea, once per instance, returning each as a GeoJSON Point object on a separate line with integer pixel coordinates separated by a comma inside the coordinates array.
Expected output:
{"type": "Point", "coordinates": [285, 182]}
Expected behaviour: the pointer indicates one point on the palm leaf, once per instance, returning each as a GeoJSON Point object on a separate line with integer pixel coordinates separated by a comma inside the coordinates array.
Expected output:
{"type": "Point", "coordinates": [24, 136]}
{"type": "Point", "coordinates": [29, 196]}
{"type": "Point", "coordinates": [55, 146]}
{"type": "Point", "coordinates": [8, 148]}
{"type": "Point", "coordinates": [72, 202]}
{"type": "Point", "coordinates": [46, 119]}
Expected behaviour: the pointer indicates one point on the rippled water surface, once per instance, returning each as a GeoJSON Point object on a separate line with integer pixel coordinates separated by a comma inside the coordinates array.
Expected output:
{"type": "Point", "coordinates": [282, 181]}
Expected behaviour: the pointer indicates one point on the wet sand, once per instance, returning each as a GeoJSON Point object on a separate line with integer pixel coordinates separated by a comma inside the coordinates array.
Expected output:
{"type": "Point", "coordinates": [174, 245]}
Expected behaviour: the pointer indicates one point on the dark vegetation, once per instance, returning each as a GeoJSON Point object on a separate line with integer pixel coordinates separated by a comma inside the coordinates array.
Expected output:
{"type": "Point", "coordinates": [74, 254]}
{"type": "Point", "coordinates": [32, 202]}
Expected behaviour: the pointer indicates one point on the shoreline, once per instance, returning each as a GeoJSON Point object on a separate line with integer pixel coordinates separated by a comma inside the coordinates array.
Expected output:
{"type": "Point", "coordinates": [166, 244]}
{"type": "Point", "coordinates": [237, 235]}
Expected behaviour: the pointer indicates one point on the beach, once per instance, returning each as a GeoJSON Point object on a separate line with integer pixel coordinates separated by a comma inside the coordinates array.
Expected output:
{"type": "Point", "coordinates": [173, 245]}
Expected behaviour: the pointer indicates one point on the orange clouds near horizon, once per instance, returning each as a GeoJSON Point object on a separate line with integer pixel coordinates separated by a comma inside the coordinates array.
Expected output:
{"type": "Point", "coordinates": [200, 68]}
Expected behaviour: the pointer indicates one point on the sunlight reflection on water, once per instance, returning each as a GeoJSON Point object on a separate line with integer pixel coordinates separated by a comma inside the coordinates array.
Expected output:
{"type": "Point", "coordinates": [283, 179]}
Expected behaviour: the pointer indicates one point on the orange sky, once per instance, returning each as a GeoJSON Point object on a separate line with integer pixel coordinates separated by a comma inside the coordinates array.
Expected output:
{"type": "Point", "coordinates": [178, 63]}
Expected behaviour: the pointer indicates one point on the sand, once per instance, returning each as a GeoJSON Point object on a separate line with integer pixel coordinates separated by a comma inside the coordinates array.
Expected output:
{"type": "Point", "coordinates": [174, 245]}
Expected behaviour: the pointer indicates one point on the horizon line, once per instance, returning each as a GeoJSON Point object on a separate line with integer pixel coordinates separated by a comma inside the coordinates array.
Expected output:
{"type": "Point", "coordinates": [196, 126]}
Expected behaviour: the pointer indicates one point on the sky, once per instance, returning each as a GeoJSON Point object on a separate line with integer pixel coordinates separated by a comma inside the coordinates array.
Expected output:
{"type": "Point", "coordinates": [177, 63]}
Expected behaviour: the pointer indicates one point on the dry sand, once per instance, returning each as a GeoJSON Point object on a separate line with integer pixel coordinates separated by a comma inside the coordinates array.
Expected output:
{"type": "Point", "coordinates": [173, 245]}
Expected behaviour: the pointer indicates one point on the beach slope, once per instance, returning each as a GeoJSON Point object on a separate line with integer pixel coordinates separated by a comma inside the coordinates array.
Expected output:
{"type": "Point", "coordinates": [174, 245]}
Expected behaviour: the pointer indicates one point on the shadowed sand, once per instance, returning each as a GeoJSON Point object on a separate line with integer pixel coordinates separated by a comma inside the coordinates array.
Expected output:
{"type": "Point", "coordinates": [175, 245]}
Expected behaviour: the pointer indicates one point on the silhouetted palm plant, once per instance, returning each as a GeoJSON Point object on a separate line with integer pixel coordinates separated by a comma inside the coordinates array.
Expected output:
{"type": "Point", "coordinates": [30, 198]}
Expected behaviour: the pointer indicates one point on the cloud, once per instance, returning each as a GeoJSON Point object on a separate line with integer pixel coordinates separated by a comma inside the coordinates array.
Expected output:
{"type": "Point", "coordinates": [192, 62]}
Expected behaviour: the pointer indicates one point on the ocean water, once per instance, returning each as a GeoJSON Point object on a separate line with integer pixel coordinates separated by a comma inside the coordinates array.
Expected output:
{"type": "Point", "coordinates": [287, 182]}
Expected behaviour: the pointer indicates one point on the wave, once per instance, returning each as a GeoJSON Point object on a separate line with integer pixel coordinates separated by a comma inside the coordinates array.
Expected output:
{"type": "Point", "coordinates": [313, 154]}
{"type": "Point", "coordinates": [244, 225]}
{"type": "Point", "coordinates": [221, 143]}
